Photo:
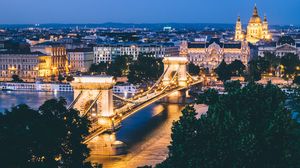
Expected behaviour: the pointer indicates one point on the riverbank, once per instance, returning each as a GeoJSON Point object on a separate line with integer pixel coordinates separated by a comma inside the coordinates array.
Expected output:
{"type": "Point", "coordinates": [36, 87]}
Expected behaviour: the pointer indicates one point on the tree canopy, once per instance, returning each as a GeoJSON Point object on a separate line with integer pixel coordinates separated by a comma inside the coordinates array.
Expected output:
{"type": "Point", "coordinates": [193, 69]}
{"type": "Point", "coordinates": [119, 67]}
{"type": "Point", "coordinates": [16, 78]}
{"type": "Point", "coordinates": [290, 63]}
{"type": "Point", "coordinates": [48, 137]}
{"type": "Point", "coordinates": [248, 127]}
{"type": "Point", "coordinates": [145, 69]}
{"type": "Point", "coordinates": [225, 72]}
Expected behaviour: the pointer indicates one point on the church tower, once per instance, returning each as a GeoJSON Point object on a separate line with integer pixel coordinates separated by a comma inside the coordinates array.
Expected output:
{"type": "Point", "coordinates": [265, 29]}
{"type": "Point", "coordinates": [239, 36]}
{"type": "Point", "coordinates": [257, 29]}
{"type": "Point", "coordinates": [254, 28]}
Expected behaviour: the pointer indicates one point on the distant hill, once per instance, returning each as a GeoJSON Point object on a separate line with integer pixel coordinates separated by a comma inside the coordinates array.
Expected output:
{"type": "Point", "coordinates": [152, 26]}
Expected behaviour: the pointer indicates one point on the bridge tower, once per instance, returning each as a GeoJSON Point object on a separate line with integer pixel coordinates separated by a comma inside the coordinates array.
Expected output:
{"type": "Point", "coordinates": [175, 65]}
{"type": "Point", "coordinates": [93, 96]}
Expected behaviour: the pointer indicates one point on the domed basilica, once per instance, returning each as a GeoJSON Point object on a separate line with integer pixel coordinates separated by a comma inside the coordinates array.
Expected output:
{"type": "Point", "coordinates": [256, 29]}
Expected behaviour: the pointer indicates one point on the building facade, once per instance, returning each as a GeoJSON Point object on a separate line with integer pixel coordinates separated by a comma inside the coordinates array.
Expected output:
{"type": "Point", "coordinates": [23, 65]}
{"type": "Point", "coordinates": [256, 30]}
{"type": "Point", "coordinates": [283, 46]}
{"type": "Point", "coordinates": [125, 89]}
{"type": "Point", "coordinates": [45, 67]}
{"type": "Point", "coordinates": [57, 55]}
{"type": "Point", "coordinates": [80, 60]}
{"type": "Point", "coordinates": [210, 54]}
{"type": "Point", "coordinates": [108, 52]}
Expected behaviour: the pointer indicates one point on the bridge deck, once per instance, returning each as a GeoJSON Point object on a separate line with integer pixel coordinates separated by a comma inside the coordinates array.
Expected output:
{"type": "Point", "coordinates": [126, 111]}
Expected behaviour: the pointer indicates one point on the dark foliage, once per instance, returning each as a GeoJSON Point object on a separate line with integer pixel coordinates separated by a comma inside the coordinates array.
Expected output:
{"type": "Point", "coordinates": [16, 78]}
{"type": "Point", "coordinates": [193, 69]}
{"type": "Point", "coordinates": [49, 137]}
{"type": "Point", "coordinates": [145, 69]}
{"type": "Point", "coordinates": [248, 127]}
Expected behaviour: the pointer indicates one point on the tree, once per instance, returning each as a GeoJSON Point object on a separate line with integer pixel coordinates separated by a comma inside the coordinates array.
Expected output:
{"type": "Point", "coordinates": [248, 127]}
{"type": "Point", "coordinates": [69, 78]}
{"type": "Point", "coordinates": [99, 68]}
{"type": "Point", "coordinates": [236, 68]}
{"type": "Point", "coordinates": [223, 72]}
{"type": "Point", "coordinates": [231, 86]}
{"type": "Point", "coordinates": [120, 67]}
{"type": "Point", "coordinates": [209, 96]}
{"type": "Point", "coordinates": [49, 137]}
{"type": "Point", "coordinates": [183, 134]}
{"type": "Point", "coordinates": [145, 69]}
{"type": "Point", "coordinates": [297, 80]}
{"type": "Point", "coordinates": [193, 69]}
{"type": "Point", "coordinates": [273, 60]}
{"type": "Point", "coordinates": [263, 65]}
{"type": "Point", "coordinates": [17, 144]}
{"type": "Point", "coordinates": [16, 78]}
{"type": "Point", "coordinates": [290, 62]}
{"type": "Point", "coordinates": [52, 77]}
{"type": "Point", "coordinates": [60, 78]}
{"type": "Point", "coordinates": [254, 71]}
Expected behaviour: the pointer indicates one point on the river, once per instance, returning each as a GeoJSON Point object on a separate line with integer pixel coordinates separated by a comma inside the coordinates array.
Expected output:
{"type": "Point", "coordinates": [32, 99]}
{"type": "Point", "coordinates": [146, 133]}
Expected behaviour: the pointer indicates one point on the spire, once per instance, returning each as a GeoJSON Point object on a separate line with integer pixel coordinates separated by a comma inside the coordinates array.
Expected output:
{"type": "Point", "coordinates": [265, 18]}
{"type": "Point", "coordinates": [255, 12]}
{"type": "Point", "coordinates": [239, 18]}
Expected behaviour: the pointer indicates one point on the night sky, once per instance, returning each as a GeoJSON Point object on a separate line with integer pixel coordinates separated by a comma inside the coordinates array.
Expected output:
{"type": "Point", "coordinates": [146, 11]}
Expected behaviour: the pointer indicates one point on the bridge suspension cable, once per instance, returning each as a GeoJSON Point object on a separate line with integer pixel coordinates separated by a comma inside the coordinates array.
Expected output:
{"type": "Point", "coordinates": [190, 75]}
{"type": "Point", "coordinates": [159, 79]}
{"type": "Point", "coordinates": [121, 98]}
{"type": "Point", "coordinates": [93, 103]}
{"type": "Point", "coordinates": [152, 87]}
{"type": "Point", "coordinates": [146, 93]}
{"type": "Point", "coordinates": [75, 100]}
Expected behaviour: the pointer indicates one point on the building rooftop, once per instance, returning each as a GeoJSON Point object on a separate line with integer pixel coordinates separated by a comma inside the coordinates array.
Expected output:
{"type": "Point", "coordinates": [217, 41]}
{"type": "Point", "coordinates": [20, 53]}
{"type": "Point", "coordinates": [286, 40]}
{"type": "Point", "coordinates": [128, 44]}
{"type": "Point", "coordinates": [80, 50]}
{"type": "Point", "coordinates": [49, 43]}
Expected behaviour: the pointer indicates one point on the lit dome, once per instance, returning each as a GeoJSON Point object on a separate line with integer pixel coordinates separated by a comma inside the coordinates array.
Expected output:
{"type": "Point", "coordinates": [255, 17]}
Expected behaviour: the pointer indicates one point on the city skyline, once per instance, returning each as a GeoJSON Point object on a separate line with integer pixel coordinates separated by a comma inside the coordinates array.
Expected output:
{"type": "Point", "coordinates": [133, 11]}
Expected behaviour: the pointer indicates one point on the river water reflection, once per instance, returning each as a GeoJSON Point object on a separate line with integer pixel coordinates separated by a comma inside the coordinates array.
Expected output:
{"type": "Point", "coordinates": [32, 99]}
{"type": "Point", "coordinates": [147, 134]}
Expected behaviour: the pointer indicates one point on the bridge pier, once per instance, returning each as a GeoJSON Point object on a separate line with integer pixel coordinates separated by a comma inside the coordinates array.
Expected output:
{"type": "Point", "coordinates": [107, 145]}
{"type": "Point", "coordinates": [177, 97]}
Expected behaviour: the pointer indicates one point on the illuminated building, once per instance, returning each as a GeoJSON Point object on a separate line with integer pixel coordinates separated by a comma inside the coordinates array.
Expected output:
{"type": "Point", "coordinates": [80, 60]}
{"type": "Point", "coordinates": [283, 46]}
{"type": "Point", "coordinates": [239, 35]}
{"type": "Point", "coordinates": [25, 65]}
{"type": "Point", "coordinates": [45, 70]}
{"type": "Point", "coordinates": [58, 56]}
{"type": "Point", "coordinates": [108, 52]}
{"type": "Point", "coordinates": [210, 54]}
{"type": "Point", "coordinates": [256, 29]}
